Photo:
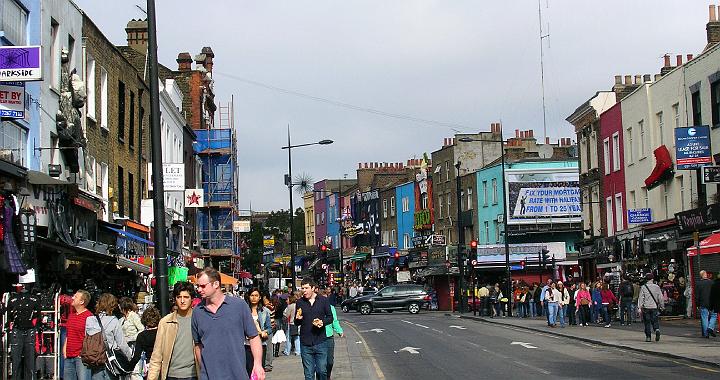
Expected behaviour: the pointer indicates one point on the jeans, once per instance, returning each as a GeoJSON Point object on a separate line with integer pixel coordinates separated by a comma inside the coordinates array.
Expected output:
{"type": "Point", "coordinates": [606, 315]}
{"type": "Point", "coordinates": [571, 309]}
{"type": "Point", "coordinates": [626, 309]}
{"type": "Point", "coordinates": [707, 320]}
{"type": "Point", "coordinates": [102, 374]}
{"type": "Point", "coordinates": [552, 312]}
{"type": "Point", "coordinates": [292, 340]}
{"type": "Point", "coordinates": [533, 313]}
{"type": "Point", "coordinates": [547, 312]}
{"type": "Point", "coordinates": [180, 378]}
{"type": "Point", "coordinates": [562, 309]}
{"type": "Point", "coordinates": [314, 359]}
{"type": "Point", "coordinates": [75, 369]}
{"type": "Point", "coordinates": [330, 356]}
{"type": "Point", "coordinates": [650, 319]}
{"type": "Point", "coordinates": [22, 351]}
{"type": "Point", "coordinates": [594, 313]}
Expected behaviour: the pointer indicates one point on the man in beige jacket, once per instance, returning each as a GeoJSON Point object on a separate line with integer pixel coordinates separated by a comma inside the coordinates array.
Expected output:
{"type": "Point", "coordinates": [173, 356]}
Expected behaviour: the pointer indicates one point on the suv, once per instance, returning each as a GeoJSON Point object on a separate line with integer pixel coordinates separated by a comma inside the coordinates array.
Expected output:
{"type": "Point", "coordinates": [351, 303]}
{"type": "Point", "coordinates": [394, 297]}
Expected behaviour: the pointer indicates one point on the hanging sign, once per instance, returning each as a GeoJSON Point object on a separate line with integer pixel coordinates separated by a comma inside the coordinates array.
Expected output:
{"type": "Point", "coordinates": [12, 100]}
{"type": "Point", "coordinates": [20, 63]}
{"type": "Point", "coordinates": [692, 147]}
{"type": "Point", "coordinates": [194, 198]}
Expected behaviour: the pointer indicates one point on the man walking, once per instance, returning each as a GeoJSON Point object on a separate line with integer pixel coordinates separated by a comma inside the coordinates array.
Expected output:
{"type": "Point", "coordinates": [650, 302]}
{"type": "Point", "coordinates": [312, 315]}
{"type": "Point", "coordinates": [702, 298]}
{"type": "Point", "coordinates": [75, 327]}
{"type": "Point", "coordinates": [220, 326]}
{"type": "Point", "coordinates": [626, 298]}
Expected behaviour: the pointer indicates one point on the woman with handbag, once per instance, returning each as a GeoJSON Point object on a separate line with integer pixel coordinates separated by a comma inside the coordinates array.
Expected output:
{"type": "Point", "coordinates": [583, 301]}
{"type": "Point", "coordinates": [261, 316]}
{"type": "Point", "coordinates": [131, 326]}
{"type": "Point", "coordinates": [112, 331]}
{"type": "Point", "coordinates": [293, 333]}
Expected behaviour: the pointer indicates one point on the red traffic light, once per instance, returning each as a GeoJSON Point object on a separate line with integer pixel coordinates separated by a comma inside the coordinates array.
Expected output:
{"type": "Point", "coordinates": [522, 264]}
{"type": "Point", "coordinates": [323, 248]}
{"type": "Point", "coordinates": [397, 255]}
{"type": "Point", "coordinates": [473, 244]}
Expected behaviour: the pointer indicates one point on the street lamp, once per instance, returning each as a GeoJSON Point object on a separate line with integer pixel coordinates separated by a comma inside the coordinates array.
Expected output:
{"type": "Point", "coordinates": [290, 184]}
{"type": "Point", "coordinates": [461, 241]}
{"type": "Point", "coordinates": [505, 215]}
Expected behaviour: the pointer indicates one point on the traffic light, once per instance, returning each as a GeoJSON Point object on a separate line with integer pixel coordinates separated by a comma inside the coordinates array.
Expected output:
{"type": "Point", "coordinates": [324, 248]}
{"type": "Point", "coordinates": [396, 255]}
{"type": "Point", "coordinates": [522, 264]}
{"type": "Point", "coordinates": [473, 247]}
{"type": "Point", "coordinates": [544, 256]}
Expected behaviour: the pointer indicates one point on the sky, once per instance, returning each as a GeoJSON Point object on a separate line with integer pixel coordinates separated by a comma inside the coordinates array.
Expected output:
{"type": "Point", "coordinates": [388, 80]}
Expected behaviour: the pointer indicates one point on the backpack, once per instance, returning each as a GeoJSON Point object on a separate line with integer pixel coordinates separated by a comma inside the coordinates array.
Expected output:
{"type": "Point", "coordinates": [627, 290]}
{"type": "Point", "coordinates": [93, 349]}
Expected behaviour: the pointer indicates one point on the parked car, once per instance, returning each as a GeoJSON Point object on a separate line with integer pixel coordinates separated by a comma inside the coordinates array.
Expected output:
{"type": "Point", "coordinates": [351, 304]}
{"type": "Point", "coordinates": [394, 297]}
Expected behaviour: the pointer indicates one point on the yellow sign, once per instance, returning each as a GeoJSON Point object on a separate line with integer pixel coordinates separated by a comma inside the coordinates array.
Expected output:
{"type": "Point", "coordinates": [268, 242]}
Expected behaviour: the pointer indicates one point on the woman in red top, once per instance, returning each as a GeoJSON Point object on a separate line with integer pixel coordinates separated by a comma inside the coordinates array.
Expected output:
{"type": "Point", "coordinates": [608, 299]}
{"type": "Point", "coordinates": [583, 301]}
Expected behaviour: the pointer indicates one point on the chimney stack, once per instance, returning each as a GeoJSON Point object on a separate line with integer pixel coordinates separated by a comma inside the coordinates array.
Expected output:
{"type": "Point", "coordinates": [137, 35]}
{"type": "Point", "coordinates": [547, 140]}
{"type": "Point", "coordinates": [618, 79]}
{"type": "Point", "coordinates": [638, 79]}
{"type": "Point", "coordinates": [713, 28]}
{"type": "Point", "coordinates": [679, 59]}
{"type": "Point", "coordinates": [666, 60]}
{"type": "Point", "coordinates": [205, 58]}
{"type": "Point", "coordinates": [689, 57]}
{"type": "Point", "coordinates": [184, 61]}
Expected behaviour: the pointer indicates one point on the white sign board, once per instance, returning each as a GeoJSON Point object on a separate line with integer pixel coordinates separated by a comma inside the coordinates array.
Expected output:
{"type": "Point", "coordinates": [12, 100]}
{"type": "Point", "coordinates": [173, 176]}
{"type": "Point", "coordinates": [241, 226]}
{"type": "Point", "coordinates": [194, 198]}
{"type": "Point", "coordinates": [403, 276]}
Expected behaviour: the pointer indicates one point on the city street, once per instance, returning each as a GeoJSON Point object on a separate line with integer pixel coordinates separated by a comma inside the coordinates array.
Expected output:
{"type": "Point", "coordinates": [436, 346]}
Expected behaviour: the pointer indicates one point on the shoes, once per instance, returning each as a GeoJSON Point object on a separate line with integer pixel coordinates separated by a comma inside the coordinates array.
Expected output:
{"type": "Point", "coordinates": [268, 369]}
{"type": "Point", "coordinates": [647, 339]}
{"type": "Point", "coordinates": [711, 332]}
{"type": "Point", "coordinates": [608, 325]}
{"type": "Point", "coordinates": [657, 335]}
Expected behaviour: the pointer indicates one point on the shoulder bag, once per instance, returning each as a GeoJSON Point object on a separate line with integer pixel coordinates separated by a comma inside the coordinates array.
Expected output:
{"type": "Point", "coordinates": [653, 298]}
{"type": "Point", "coordinates": [117, 363]}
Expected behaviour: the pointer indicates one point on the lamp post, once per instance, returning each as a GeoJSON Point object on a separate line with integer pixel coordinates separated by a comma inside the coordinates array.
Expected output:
{"type": "Point", "coordinates": [505, 215]}
{"type": "Point", "coordinates": [290, 184]}
{"type": "Point", "coordinates": [461, 241]}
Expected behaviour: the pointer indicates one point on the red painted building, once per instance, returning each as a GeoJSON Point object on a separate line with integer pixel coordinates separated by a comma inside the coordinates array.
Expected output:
{"type": "Point", "coordinates": [613, 177]}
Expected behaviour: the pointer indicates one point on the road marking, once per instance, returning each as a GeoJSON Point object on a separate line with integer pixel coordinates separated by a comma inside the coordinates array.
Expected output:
{"type": "Point", "coordinates": [544, 372]}
{"type": "Point", "coordinates": [412, 350]}
{"type": "Point", "coordinates": [458, 327]}
{"type": "Point", "coordinates": [378, 371]}
{"type": "Point", "coordinates": [474, 344]}
{"type": "Point", "coordinates": [419, 325]}
{"type": "Point", "coordinates": [407, 321]}
{"type": "Point", "coordinates": [526, 345]}
{"type": "Point", "coordinates": [437, 331]}
{"type": "Point", "coordinates": [374, 330]}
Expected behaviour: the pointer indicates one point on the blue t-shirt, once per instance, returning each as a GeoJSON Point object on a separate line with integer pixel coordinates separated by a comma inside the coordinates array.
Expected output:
{"type": "Point", "coordinates": [222, 336]}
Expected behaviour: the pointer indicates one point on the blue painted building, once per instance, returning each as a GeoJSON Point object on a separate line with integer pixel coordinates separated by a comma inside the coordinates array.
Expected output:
{"type": "Point", "coordinates": [405, 206]}
{"type": "Point", "coordinates": [333, 218]}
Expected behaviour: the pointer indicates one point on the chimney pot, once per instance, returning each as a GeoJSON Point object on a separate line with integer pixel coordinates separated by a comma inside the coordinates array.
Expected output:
{"type": "Point", "coordinates": [678, 58]}
{"type": "Point", "coordinates": [666, 60]}
{"type": "Point", "coordinates": [713, 13]}
{"type": "Point", "coordinates": [638, 79]}
{"type": "Point", "coordinates": [646, 78]}
{"type": "Point", "coordinates": [689, 57]}
{"type": "Point", "coordinates": [618, 79]}
{"type": "Point", "coordinates": [517, 133]}
{"type": "Point", "coordinates": [184, 61]}
{"type": "Point", "coordinates": [532, 133]}
{"type": "Point", "coordinates": [547, 140]}
{"type": "Point", "coordinates": [628, 80]}
{"type": "Point", "coordinates": [657, 77]}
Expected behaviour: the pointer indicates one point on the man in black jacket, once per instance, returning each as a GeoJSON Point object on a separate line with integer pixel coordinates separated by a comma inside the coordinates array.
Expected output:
{"type": "Point", "coordinates": [702, 297]}
{"type": "Point", "coordinates": [312, 315]}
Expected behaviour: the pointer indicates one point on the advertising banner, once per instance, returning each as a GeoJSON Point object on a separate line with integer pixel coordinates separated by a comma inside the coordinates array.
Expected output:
{"type": "Point", "coordinates": [12, 100]}
{"type": "Point", "coordinates": [692, 147]}
{"type": "Point", "coordinates": [241, 226]}
{"type": "Point", "coordinates": [543, 196]}
{"type": "Point", "coordinates": [20, 63]}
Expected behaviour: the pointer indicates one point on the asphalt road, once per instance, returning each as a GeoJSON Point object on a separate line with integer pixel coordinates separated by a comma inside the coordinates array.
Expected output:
{"type": "Point", "coordinates": [434, 346]}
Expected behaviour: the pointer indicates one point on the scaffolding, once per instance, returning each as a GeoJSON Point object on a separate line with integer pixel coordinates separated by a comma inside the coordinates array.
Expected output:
{"type": "Point", "coordinates": [217, 149]}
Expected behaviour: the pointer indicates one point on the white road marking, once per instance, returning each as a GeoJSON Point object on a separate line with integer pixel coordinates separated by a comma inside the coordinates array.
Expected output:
{"type": "Point", "coordinates": [374, 330]}
{"type": "Point", "coordinates": [419, 325]}
{"type": "Point", "coordinates": [544, 372]}
{"type": "Point", "coordinates": [412, 350]}
{"type": "Point", "coordinates": [526, 345]}
{"type": "Point", "coordinates": [458, 327]}
{"type": "Point", "coordinates": [474, 344]}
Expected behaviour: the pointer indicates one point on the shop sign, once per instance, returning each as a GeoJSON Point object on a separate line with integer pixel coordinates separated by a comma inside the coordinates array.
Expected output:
{"type": "Point", "coordinates": [268, 241]}
{"type": "Point", "coordinates": [194, 198]}
{"type": "Point", "coordinates": [699, 219]}
{"type": "Point", "coordinates": [692, 147]}
{"type": "Point", "coordinates": [241, 226]}
{"type": "Point", "coordinates": [20, 63]}
{"type": "Point", "coordinates": [437, 256]}
{"type": "Point", "coordinates": [423, 221]}
{"type": "Point", "coordinates": [84, 203]}
{"type": "Point", "coordinates": [438, 239]}
{"type": "Point", "coordinates": [419, 241]}
{"type": "Point", "coordinates": [12, 100]}
{"type": "Point", "coordinates": [639, 216]}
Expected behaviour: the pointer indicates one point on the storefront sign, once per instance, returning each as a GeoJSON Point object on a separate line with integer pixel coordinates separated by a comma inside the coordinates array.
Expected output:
{"type": "Point", "coordinates": [639, 216]}
{"type": "Point", "coordinates": [711, 174]}
{"type": "Point", "coordinates": [692, 147]}
{"type": "Point", "coordinates": [20, 63]}
{"type": "Point", "coordinates": [268, 241]}
{"type": "Point", "coordinates": [423, 220]}
{"type": "Point", "coordinates": [84, 203]}
{"type": "Point", "coordinates": [241, 226]}
{"type": "Point", "coordinates": [438, 239]}
{"type": "Point", "coordinates": [699, 219]}
{"type": "Point", "coordinates": [194, 198]}
{"type": "Point", "coordinates": [12, 100]}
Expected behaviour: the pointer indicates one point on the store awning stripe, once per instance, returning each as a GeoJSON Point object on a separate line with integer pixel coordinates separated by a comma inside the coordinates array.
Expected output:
{"type": "Point", "coordinates": [128, 235]}
{"type": "Point", "coordinates": [708, 246]}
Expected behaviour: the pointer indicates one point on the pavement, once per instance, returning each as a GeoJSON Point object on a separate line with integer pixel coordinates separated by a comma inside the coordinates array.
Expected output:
{"type": "Point", "coordinates": [680, 339]}
{"type": "Point", "coordinates": [352, 360]}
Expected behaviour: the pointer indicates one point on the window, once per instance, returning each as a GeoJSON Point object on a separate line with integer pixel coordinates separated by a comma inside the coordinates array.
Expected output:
{"type": "Point", "coordinates": [593, 150]}
{"type": "Point", "coordinates": [449, 203]}
{"type": "Point", "coordinates": [103, 98]}
{"type": "Point", "coordinates": [317, 219]}
{"type": "Point", "coordinates": [666, 198]}
{"type": "Point", "coordinates": [485, 193]}
{"type": "Point", "coordinates": [715, 102]}
{"type": "Point", "coordinates": [641, 128]}
{"type": "Point", "coordinates": [386, 238]}
{"type": "Point", "coordinates": [681, 186]}
{"type": "Point", "coordinates": [619, 214]}
{"type": "Point", "coordinates": [91, 175]}
{"type": "Point", "coordinates": [629, 146]}
{"type": "Point", "coordinates": [13, 143]}
{"type": "Point", "coordinates": [322, 217]}
{"type": "Point", "coordinates": [90, 87]}
{"type": "Point", "coordinates": [609, 216]}
{"type": "Point", "coordinates": [661, 128]}
{"type": "Point", "coordinates": [447, 171]}
{"type": "Point", "coordinates": [385, 208]}
{"type": "Point", "coordinates": [393, 240]}
{"type": "Point", "coordinates": [405, 204]}
{"type": "Point", "coordinates": [425, 201]}
{"type": "Point", "coordinates": [696, 108]}
{"type": "Point", "coordinates": [583, 154]}
{"type": "Point", "coordinates": [496, 227]}
{"type": "Point", "coordinates": [606, 155]}
{"type": "Point", "coordinates": [645, 197]}
{"type": "Point", "coordinates": [121, 191]}
{"type": "Point", "coordinates": [440, 206]}
{"type": "Point", "coordinates": [633, 201]}
{"type": "Point", "coordinates": [14, 22]}
{"type": "Point", "coordinates": [406, 241]}
{"type": "Point", "coordinates": [676, 114]}
{"type": "Point", "coordinates": [494, 191]}
{"type": "Point", "coordinates": [121, 111]}
{"type": "Point", "coordinates": [469, 198]}
{"type": "Point", "coordinates": [55, 53]}
{"type": "Point", "coordinates": [487, 231]}
{"type": "Point", "coordinates": [616, 151]}
{"type": "Point", "coordinates": [131, 129]}
{"type": "Point", "coordinates": [131, 196]}
{"type": "Point", "coordinates": [392, 206]}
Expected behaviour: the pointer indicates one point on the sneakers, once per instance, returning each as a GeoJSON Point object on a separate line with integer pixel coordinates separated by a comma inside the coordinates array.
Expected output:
{"type": "Point", "coordinates": [647, 339]}
{"type": "Point", "coordinates": [608, 325]}
{"type": "Point", "coordinates": [711, 332]}
{"type": "Point", "coordinates": [657, 335]}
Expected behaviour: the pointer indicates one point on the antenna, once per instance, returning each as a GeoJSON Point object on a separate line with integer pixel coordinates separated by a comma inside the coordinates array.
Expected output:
{"type": "Point", "coordinates": [542, 68]}
{"type": "Point", "coordinates": [141, 9]}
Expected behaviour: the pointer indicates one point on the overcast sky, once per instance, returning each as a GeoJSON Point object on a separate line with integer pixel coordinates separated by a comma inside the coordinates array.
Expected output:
{"type": "Point", "coordinates": [462, 63]}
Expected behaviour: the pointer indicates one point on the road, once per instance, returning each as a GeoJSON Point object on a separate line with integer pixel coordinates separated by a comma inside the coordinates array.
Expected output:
{"type": "Point", "coordinates": [434, 346]}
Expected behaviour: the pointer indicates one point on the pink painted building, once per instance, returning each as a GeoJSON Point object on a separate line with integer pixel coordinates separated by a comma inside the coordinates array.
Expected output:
{"type": "Point", "coordinates": [613, 170]}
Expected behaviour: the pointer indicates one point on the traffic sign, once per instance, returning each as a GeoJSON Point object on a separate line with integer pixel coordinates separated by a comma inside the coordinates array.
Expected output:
{"type": "Point", "coordinates": [474, 262]}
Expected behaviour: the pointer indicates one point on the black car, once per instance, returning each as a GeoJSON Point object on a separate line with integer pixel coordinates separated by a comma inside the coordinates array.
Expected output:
{"type": "Point", "coordinates": [394, 297]}
{"type": "Point", "coordinates": [350, 304]}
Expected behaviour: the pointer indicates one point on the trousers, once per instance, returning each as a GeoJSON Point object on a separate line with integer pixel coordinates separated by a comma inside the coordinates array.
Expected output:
{"type": "Point", "coordinates": [22, 354]}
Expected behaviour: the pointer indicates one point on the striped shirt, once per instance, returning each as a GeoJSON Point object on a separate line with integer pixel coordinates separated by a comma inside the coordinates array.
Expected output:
{"type": "Point", "coordinates": [76, 333]}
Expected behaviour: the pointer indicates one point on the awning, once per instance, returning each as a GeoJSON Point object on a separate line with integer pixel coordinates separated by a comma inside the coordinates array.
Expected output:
{"type": "Point", "coordinates": [128, 235]}
{"type": "Point", "coordinates": [708, 246]}
{"type": "Point", "coordinates": [127, 263]}
{"type": "Point", "coordinates": [224, 279]}
{"type": "Point", "coordinates": [39, 178]}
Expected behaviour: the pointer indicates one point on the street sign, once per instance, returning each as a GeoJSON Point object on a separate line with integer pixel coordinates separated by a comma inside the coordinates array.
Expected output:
{"type": "Point", "coordinates": [692, 147]}
{"type": "Point", "coordinates": [710, 174]}
{"type": "Point", "coordinates": [516, 267]}
{"type": "Point", "coordinates": [640, 215]}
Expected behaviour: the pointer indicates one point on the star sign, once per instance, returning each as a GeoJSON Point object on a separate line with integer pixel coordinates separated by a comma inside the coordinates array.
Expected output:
{"type": "Point", "coordinates": [194, 199]}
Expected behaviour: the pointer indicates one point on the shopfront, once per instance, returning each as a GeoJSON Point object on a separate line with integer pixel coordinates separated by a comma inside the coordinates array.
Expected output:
{"type": "Point", "coordinates": [666, 258]}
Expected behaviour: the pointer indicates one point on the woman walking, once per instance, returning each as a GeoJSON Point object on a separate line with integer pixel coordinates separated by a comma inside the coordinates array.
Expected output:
{"type": "Point", "coordinates": [261, 316]}
{"type": "Point", "coordinates": [146, 339]}
{"type": "Point", "coordinates": [293, 338]}
{"type": "Point", "coordinates": [572, 308]}
{"type": "Point", "coordinates": [596, 302]}
{"type": "Point", "coordinates": [131, 326]}
{"type": "Point", "coordinates": [113, 333]}
{"type": "Point", "coordinates": [608, 299]}
{"type": "Point", "coordinates": [583, 301]}
{"type": "Point", "coordinates": [552, 298]}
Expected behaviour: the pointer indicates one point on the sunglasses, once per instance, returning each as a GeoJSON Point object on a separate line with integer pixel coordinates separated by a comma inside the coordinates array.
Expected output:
{"type": "Point", "coordinates": [202, 286]}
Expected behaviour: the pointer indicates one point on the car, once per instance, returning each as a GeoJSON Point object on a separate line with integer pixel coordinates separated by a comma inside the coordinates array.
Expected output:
{"type": "Point", "coordinates": [350, 304]}
{"type": "Point", "coordinates": [394, 297]}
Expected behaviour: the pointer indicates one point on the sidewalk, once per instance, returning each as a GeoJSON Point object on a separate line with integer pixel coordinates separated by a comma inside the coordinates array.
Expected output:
{"type": "Point", "coordinates": [680, 339]}
{"type": "Point", "coordinates": [352, 360]}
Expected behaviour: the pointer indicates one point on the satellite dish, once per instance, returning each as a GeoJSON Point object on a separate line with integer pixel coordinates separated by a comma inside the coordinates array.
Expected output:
{"type": "Point", "coordinates": [545, 151]}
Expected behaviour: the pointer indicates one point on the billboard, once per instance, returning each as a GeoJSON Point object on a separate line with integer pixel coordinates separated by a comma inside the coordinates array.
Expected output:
{"type": "Point", "coordinates": [20, 63]}
{"type": "Point", "coordinates": [543, 195]}
{"type": "Point", "coordinates": [692, 147]}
